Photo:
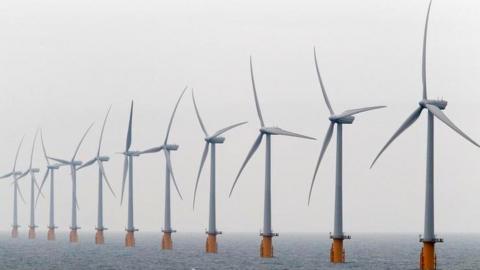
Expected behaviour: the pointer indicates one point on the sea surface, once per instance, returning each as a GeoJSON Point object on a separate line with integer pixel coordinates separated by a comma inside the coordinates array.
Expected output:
{"type": "Point", "coordinates": [236, 251]}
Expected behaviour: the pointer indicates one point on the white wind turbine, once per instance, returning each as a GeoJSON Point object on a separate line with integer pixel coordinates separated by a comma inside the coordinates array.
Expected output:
{"type": "Point", "coordinates": [210, 142]}
{"type": "Point", "coordinates": [16, 175]}
{"type": "Point", "coordinates": [33, 185]}
{"type": "Point", "coordinates": [99, 159]}
{"type": "Point", "coordinates": [337, 254]}
{"type": "Point", "coordinates": [50, 171]}
{"type": "Point", "coordinates": [73, 164]}
{"type": "Point", "coordinates": [266, 247]}
{"type": "Point", "coordinates": [166, 147]}
{"type": "Point", "coordinates": [128, 168]}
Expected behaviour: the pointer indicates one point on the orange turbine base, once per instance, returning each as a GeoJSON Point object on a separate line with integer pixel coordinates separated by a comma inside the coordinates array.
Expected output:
{"type": "Point", "coordinates": [211, 245]}
{"type": "Point", "coordinates": [428, 258]}
{"type": "Point", "coordinates": [266, 247]}
{"type": "Point", "coordinates": [51, 235]}
{"type": "Point", "coordinates": [31, 233]}
{"type": "Point", "coordinates": [99, 239]}
{"type": "Point", "coordinates": [73, 236]}
{"type": "Point", "coordinates": [167, 241]}
{"type": "Point", "coordinates": [337, 253]}
{"type": "Point", "coordinates": [130, 239]}
{"type": "Point", "coordinates": [14, 232]}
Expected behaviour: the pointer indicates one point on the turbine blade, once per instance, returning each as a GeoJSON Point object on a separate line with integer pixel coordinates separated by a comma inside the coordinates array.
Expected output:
{"type": "Point", "coordinates": [41, 186]}
{"type": "Point", "coordinates": [16, 155]}
{"type": "Point", "coordinates": [360, 110]}
{"type": "Point", "coordinates": [23, 174]}
{"type": "Point", "coordinates": [43, 147]}
{"type": "Point", "coordinates": [326, 141]}
{"type": "Point", "coordinates": [325, 97]}
{"type": "Point", "coordinates": [6, 175]}
{"type": "Point", "coordinates": [88, 163]}
{"type": "Point", "coordinates": [202, 162]}
{"type": "Point", "coordinates": [152, 150]}
{"type": "Point", "coordinates": [252, 151]}
{"type": "Point", "coordinates": [81, 140]}
{"type": "Point", "coordinates": [223, 130]}
{"type": "Point", "coordinates": [129, 132]}
{"type": "Point", "coordinates": [102, 169]}
{"type": "Point", "coordinates": [198, 116]}
{"type": "Point", "coordinates": [38, 187]}
{"type": "Point", "coordinates": [65, 162]}
{"type": "Point", "coordinates": [20, 193]}
{"type": "Point", "coordinates": [257, 104]}
{"type": "Point", "coordinates": [410, 120]}
{"type": "Point", "coordinates": [125, 171]}
{"type": "Point", "coordinates": [424, 53]}
{"type": "Point", "coordinates": [101, 133]}
{"type": "Point", "coordinates": [442, 117]}
{"type": "Point", "coordinates": [33, 149]}
{"type": "Point", "coordinates": [169, 164]}
{"type": "Point", "coordinates": [173, 115]}
{"type": "Point", "coordinates": [279, 131]}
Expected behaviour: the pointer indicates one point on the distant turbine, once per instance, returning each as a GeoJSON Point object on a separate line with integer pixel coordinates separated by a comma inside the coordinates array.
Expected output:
{"type": "Point", "coordinates": [33, 185]}
{"type": "Point", "coordinates": [266, 247]}
{"type": "Point", "coordinates": [73, 171]}
{"type": "Point", "coordinates": [434, 108]}
{"type": "Point", "coordinates": [16, 175]}
{"type": "Point", "coordinates": [99, 238]}
{"type": "Point", "coordinates": [50, 171]}
{"type": "Point", "coordinates": [128, 168]}
{"type": "Point", "coordinates": [167, 229]}
{"type": "Point", "coordinates": [211, 245]}
{"type": "Point", "coordinates": [337, 252]}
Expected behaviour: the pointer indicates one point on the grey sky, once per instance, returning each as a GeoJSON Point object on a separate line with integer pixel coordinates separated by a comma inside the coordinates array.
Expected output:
{"type": "Point", "coordinates": [64, 62]}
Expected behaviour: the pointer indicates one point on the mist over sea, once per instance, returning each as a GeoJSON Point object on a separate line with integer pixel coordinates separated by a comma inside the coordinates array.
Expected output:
{"type": "Point", "coordinates": [236, 251]}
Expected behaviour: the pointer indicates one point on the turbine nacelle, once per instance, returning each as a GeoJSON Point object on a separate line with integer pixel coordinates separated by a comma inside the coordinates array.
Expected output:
{"type": "Point", "coordinates": [35, 170]}
{"type": "Point", "coordinates": [215, 140]}
{"type": "Point", "coordinates": [76, 163]}
{"type": "Point", "coordinates": [342, 119]}
{"type": "Point", "coordinates": [53, 167]}
{"type": "Point", "coordinates": [103, 158]}
{"type": "Point", "coordinates": [171, 147]}
{"type": "Point", "coordinates": [17, 173]}
{"type": "Point", "coordinates": [439, 103]}
{"type": "Point", "coordinates": [132, 153]}
{"type": "Point", "coordinates": [267, 130]}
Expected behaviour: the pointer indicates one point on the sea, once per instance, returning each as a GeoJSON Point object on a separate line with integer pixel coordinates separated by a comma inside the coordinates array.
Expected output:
{"type": "Point", "coordinates": [236, 251]}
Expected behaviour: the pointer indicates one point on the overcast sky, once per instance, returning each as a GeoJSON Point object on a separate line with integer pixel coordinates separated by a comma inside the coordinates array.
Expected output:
{"type": "Point", "coordinates": [62, 63]}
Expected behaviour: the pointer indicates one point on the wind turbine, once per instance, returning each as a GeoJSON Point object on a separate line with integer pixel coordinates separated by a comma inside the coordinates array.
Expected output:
{"type": "Point", "coordinates": [16, 175]}
{"type": "Point", "coordinates": [210, 141]}
{"type": "Point", "coordinates": [266, 247]}
{"type": "Point", "coordinates": [50, 171]}
{"type": "Point", "coordinates": [73, 171]}
{"type": "Point", "coordinates": [128, 168]}
{"type": "Point", "coordinates": [33, 185]}
{"type": "Point", "coordinates": [166, 147]}
{"type": "Point", "coordinates": [99, 159]}
{"type": "Point", "coordinates": [337, 253]}
{"type": "Point", "coordinates": [434, 108]}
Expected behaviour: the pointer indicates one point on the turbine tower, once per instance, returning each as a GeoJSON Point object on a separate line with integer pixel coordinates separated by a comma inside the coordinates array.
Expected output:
{"type": "Point", "coordinates": [128, 168]}
{"type": "Point", "coordinates": [16, 175]}
{"type": "Point", "coordinates": [210, 142]}
{"type": "Point", "coordinates": [166, 147]}
{"type": "Point", "coordinates": [337, 253]}
{"type": "Point", "coordinates": [33, 185]}
{"type": "Point", "coordinates": [73, 171]}
{"type": "Point", "coordinates": [266, 247]}
{"type": "Point", "coordinates": [50, 171]}
{"type": "Point", "coordinates": [99, 159]}
{"type": "Point", "coordinates": [434, 107]}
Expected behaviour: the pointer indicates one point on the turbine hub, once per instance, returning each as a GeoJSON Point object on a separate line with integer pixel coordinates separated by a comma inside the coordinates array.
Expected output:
{"type": "Point", "coordinates": [439, 103]}
{"type": "Point", "coordinates": [77, 163]}
{"type": "Point", "coordinates": [103, 158]}
{"type": "Point", "coordinates": [171, 147]}
{"type": "Point", "coordinates": [215, 140]}
{"type": "Point", "coordinates": [341, 119]}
